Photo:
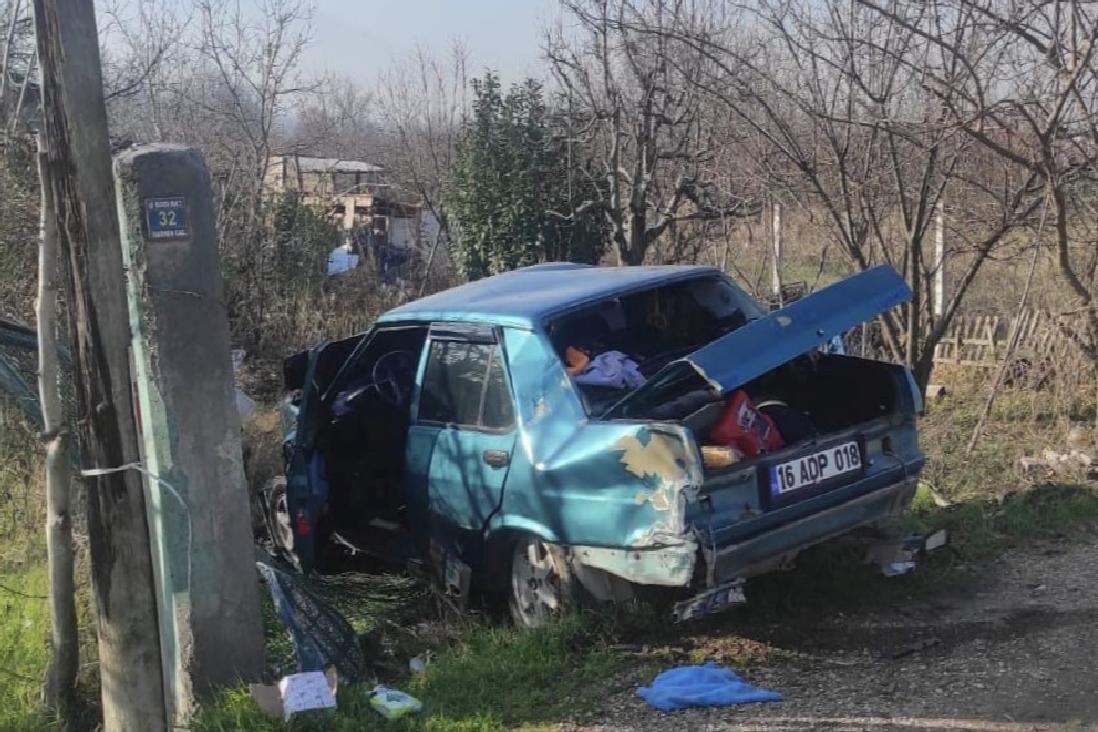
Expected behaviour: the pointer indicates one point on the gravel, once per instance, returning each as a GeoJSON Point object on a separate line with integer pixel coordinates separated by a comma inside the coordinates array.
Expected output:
{"type": "Point", "coordinates": [1014, 650]}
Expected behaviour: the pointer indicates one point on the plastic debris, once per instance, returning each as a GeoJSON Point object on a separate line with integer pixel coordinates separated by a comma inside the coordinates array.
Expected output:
{"type": "Point", "coordinates": [418, 664]}
{"type": "Point", "coordinates": [393, 704]}
{"type": "Point", "coordinates": [245, 405]}
{"type": "Point", "coordinates": [297, 693]}
{"type": "Point", "coordinates": [342, 259]}
{"type": "Point", "coordinates": [702, 686]}
{"type": "Point", "coordinates": [895, 569]}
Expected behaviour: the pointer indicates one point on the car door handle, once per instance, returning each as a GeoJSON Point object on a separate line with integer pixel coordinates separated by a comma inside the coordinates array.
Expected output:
{"type": "Point", "coordinates": [496, 458]}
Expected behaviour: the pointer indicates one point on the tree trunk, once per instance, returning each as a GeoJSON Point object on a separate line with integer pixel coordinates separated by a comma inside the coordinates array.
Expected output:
{"type": "Point", "coordinates": [636, 244]}
{"type": "Point", "coordinates": [78, 166]}
{"type": "Point", "coordinates": [1008, 357]}
{"type": "Point", "coordinates": [1063, 258]}
{"type": "Point", "coordinates": [5, 64]}
{"type": "Point", "coordinates": [60, 687]}
{"type": "Point", "coordinates": [22, 95]}
{"type": "Point", "coordinates": [914, 308]}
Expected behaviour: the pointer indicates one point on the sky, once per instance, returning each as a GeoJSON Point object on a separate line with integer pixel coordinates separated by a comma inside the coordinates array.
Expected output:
{"type": "Point", "coordinates": [359, 38]}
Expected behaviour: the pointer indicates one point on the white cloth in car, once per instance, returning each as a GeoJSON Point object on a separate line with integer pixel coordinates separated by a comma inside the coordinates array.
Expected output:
{"type": "Point", "coordinates": [612, 368]}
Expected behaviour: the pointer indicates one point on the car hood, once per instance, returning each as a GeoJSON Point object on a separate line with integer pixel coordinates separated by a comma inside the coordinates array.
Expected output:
{"type": "Point", "coordinates": [777, 338]}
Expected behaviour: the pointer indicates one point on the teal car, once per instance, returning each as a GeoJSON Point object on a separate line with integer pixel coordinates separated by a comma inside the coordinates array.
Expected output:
{"type": "Point", "coordinates": [461, 432]}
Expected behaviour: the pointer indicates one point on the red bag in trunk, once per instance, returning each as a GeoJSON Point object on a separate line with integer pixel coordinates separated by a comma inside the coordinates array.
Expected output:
{"type": "Point", "coordinates": [744, 427]}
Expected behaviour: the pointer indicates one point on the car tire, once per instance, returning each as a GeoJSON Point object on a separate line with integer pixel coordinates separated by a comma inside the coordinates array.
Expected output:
{"type": "Point", "coordinates": [541, 585]}
{"type": "Point", "coordinates": [277, 512]}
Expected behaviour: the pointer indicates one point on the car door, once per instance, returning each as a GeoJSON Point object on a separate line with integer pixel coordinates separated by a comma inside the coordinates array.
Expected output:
{"type": "Point", "coordinates": [459, 447]}
{"type": "Point", "coordinates": [306, 483]}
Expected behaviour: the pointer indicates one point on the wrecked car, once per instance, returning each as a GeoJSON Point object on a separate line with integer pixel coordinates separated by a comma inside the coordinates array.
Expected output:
{"type": "Point", "coordinates": [566, 430]}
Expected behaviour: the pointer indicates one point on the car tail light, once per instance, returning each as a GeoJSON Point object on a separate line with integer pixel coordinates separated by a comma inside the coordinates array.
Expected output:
{"type": "Point", "coordinates": [302, 527]}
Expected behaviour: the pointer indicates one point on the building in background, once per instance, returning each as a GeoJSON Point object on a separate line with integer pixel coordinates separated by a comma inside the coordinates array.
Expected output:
{"type": "Point", "coordinates": [370, 212]}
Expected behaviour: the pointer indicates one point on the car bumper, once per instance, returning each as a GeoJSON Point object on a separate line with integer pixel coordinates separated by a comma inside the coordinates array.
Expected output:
{"type": "Point", "coordinates": [675, 566]}
{"type": "Point", "coordinates": [779, 545]}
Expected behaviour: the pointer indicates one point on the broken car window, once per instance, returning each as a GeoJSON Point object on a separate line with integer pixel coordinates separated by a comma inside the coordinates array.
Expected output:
{"type": "Point", "coordinates": [652, 326]}
{"type": "Point", "coordinates": [633, 336]}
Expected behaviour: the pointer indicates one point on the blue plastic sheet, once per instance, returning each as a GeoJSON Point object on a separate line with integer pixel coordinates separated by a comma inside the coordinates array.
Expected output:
{"type": "Point", "coordinates": [702, 686]}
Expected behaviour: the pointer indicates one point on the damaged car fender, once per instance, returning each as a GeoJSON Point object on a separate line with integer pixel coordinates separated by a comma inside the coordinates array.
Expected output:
{"type": "Point", "coordinates": [615, 492]}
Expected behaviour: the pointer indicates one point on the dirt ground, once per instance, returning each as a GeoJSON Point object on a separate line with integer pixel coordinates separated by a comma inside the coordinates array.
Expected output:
{"type": "Point", "coordinates": [1013, 649]}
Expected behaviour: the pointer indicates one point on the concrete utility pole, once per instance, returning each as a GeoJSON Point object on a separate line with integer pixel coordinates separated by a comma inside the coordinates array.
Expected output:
{"type": "Point", "coordinates": [79, 169]}
{"type": "Point", "coordinates": [939, 261]}
{"type": "Point", "coordinates": [204, 561]}
{"type": "Point", "coordinates": [776, 263]}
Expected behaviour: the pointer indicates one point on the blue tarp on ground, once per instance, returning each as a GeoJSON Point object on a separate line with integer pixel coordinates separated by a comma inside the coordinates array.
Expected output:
{"type": "Point", "coordinates": [702, 686]}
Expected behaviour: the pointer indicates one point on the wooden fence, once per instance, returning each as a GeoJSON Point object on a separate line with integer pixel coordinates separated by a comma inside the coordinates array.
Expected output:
{"type": "Point", "coordinates": [981, 341]}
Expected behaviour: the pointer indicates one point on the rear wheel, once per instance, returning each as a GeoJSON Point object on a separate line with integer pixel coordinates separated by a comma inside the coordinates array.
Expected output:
{"type": "Point", "coordinates": [279, 529]}
{"type": "Point", "coordinates": [541, 585]}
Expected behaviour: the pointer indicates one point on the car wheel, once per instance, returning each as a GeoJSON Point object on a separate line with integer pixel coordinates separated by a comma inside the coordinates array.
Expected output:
{"type": "Point", "coordinates": [279, 529]}
{"type": "Point", "coordinates": [541, 586]}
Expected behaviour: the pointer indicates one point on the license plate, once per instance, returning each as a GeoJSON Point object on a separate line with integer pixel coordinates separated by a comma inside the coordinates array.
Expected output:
{"type": "Point", "coordinates": [816, 468]}
{"type": "Point", "coordinates": [710, 601]}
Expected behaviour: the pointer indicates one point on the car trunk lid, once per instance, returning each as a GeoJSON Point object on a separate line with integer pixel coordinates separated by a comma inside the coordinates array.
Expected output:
{"type": "Point", "coordinates": [777, 338]}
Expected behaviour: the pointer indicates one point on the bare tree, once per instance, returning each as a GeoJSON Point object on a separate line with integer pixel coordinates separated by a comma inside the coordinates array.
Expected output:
{"type": "Point", "coordinates": [336, 120]}
{"type": "Point", "coordinates": [136, 38]}
{"type": "Point", "coordinates": [59, 691]}
{"type": "Point", "coordinates": [837, 117]}
{"type": "Point", "coordinates": [18, 64]}
{"type": "Point", "coordinates": [636, 102]}
{"type": "Point", "coordinates": [422, 103]}
{"type": "Point", "coordinates": [1031, 99]}
{"type": "Point", "coordinates": [252, 57]}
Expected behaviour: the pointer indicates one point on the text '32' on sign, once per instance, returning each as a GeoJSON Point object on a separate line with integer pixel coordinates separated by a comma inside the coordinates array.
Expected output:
{"type": "Point", "coordinates": [166, 218]}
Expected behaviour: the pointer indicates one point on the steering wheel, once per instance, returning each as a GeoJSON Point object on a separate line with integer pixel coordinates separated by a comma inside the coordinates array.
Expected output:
{"type": "Point", "coordinates": [393, 375]}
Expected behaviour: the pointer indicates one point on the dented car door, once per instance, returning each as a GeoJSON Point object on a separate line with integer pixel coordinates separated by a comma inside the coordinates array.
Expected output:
{"type": "Point", "coordinates": [461, 441]}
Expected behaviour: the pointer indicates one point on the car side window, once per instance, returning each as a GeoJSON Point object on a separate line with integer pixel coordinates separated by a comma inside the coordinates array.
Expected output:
{"type": "Point", "coordinates": [497, 412]}
{"type": "Point", "coordinates": [464, 385]}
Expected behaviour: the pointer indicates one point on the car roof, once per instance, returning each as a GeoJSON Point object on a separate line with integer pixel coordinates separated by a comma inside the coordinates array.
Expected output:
{"type": "Point", "coordinates": [527, 297]}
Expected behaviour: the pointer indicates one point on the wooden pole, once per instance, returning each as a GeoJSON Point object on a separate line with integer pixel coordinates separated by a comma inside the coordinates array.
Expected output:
{"type": "Point", "coordinates": [78, 166]}
{"type": "Point", "coordinates": [60, 687]}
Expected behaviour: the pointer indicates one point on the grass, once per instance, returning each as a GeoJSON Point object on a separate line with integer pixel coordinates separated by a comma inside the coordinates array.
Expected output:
{"type": "Point", "coordinates": [992, 505]}
{"type": "Point", "coordinates": [980, 529]}
{"type": "Point", "coordinates": [24, 624]}
{"type": "Point", "coordinates": [494, 678]}
{"type": "Point", "coordinates": [485, 677]}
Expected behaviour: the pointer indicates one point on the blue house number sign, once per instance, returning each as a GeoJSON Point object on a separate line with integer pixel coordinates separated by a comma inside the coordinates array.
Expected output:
{"type": "Point", "coordinates": [166, 218]}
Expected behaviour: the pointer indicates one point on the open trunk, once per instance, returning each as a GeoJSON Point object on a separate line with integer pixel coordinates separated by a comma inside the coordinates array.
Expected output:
{"type": "Point", "coordinates": [844, 421]}
{"type": "Point", "coordinates": [810, 399]}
